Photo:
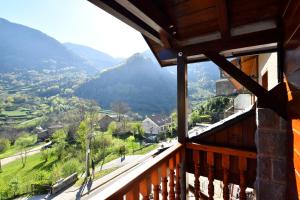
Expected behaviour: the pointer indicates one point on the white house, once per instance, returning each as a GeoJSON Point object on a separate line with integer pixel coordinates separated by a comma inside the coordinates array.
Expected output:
{"type": "Point", "coordinates": [156, 124]}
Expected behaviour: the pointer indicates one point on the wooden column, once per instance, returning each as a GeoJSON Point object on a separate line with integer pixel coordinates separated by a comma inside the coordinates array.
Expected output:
{"type": "Point", "coordinates": [182, 129]}
{"type": "Point", "coordinates": [182, 98]}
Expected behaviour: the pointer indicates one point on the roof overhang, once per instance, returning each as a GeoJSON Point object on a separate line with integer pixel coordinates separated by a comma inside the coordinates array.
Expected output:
{"type": "Point", "coordinates": [229, 27]}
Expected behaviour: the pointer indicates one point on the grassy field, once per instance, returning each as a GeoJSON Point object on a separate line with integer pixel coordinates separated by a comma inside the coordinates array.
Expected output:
{"type": "Point", "coordinates": [14, 150]}
{"type": "Point", "coordinates": [30, 123]}
{"type": "Point", "coordinates": [98, 175]}
{"type": "Point", "coordinates": [146, 149]}
{"type": "Point", "coordinates": [15, 178]}
{"type": "Point", "coordinates": [15, 113]}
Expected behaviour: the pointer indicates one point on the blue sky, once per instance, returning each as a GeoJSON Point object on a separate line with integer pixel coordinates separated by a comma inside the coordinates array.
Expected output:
{"type": "Point", "coordinates": [76, 21]}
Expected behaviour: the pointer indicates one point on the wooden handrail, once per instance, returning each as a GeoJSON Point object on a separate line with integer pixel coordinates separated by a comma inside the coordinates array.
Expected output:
{"type": "Point", "coordinates": [126, 183]}
{"type": "Point", "coordinates": [222, 150]}
{"type": "Point", "coordinates": [206, 155]}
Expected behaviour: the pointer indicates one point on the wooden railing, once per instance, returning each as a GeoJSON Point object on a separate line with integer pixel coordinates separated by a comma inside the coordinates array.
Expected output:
{"type": "Point", "coordinates": [207, 157]}
{"type": "Point", "coordinates": [160, 178]}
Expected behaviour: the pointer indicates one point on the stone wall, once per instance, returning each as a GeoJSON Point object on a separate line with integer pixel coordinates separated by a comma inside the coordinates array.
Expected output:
{"type": "Point", "coordinates": [271, 142]}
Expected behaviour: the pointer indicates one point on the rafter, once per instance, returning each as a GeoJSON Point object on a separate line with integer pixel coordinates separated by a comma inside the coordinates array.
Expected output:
{"type": "Point", "coordinates": [237, 74]}
{"type": "Point", "coordinates": [273, 99]}
{"type": "Point", "coordinates": [223, 19]}
{"type": "Point", "coordinates": [127, 17]}
{"type": "Point", "coordinates": [240, 41]}
{"type": "Point", "coordinates": [150, 14]}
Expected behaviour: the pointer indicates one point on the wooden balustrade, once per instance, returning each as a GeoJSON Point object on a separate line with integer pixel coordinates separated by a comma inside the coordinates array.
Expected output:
{"type": "Point", "coordinates": [160, 178]}
{"type": "Point", "coordinates": [207, 154]}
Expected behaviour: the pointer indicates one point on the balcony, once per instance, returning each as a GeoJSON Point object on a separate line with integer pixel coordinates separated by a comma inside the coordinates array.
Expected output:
{"type": "Point", "coordinates": [212, 154]}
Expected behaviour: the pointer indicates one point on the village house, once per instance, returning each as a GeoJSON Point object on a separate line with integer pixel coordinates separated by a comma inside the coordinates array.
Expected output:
{"type": "Point", "coordinates": [105, 121]}
{"type": "Point", "coordinates": [156, 124]}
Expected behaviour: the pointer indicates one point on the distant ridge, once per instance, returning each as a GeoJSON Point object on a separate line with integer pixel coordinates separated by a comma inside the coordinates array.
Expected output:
{"type": "Point", "coordinates": [23, 48]}
{"type": "Point", "coordinates": [94, 57]}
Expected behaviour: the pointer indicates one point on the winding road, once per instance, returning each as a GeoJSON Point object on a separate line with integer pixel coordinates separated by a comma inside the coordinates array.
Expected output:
{"type": "Point", "coordinates": [17, 156]}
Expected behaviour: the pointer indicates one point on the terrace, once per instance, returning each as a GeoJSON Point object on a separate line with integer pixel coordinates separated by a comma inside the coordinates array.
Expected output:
{"type": "Point", "coordinates": [258, 149]}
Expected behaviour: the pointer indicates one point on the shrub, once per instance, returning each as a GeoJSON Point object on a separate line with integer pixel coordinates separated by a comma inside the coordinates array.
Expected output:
{"type": "Point", "coordinates": [4, 191]}
{"type": "Point", "coordinates": [4, 144]}
{"type": "Point", "coordinates": [13, 187]}
{"type": "Point", "coordinates": [42, 178]}
{"type": "Point", "coordinates": [70, 167]}
{"type": "Point", "coordinates": [45, 154]}
{"type": "Point", "coordinates": [56, 173]}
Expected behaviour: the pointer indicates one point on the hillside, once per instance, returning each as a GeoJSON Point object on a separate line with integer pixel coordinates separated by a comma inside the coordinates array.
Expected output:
{"type": "Point", "coordinates": [201, 78]}
{"type": "Point", "coordinates": [139, 82]}
{"type": "Point", "coordinates": [95, 58]}
{"type": "Point", "coordinates": [22, 48]}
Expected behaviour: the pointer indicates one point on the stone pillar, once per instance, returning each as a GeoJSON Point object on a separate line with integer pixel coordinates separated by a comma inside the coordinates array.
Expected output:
{"type": "Point", "coordinates": [271, 143]}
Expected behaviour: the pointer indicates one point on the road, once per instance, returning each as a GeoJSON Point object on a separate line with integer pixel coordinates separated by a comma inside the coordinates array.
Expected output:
{"type": "Point", "coordinates": [96, 194]}
{"type": "Point", "coordinates": [17, 156]}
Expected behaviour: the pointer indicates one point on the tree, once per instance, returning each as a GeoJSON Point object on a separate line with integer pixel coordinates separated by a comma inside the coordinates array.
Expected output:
{"type": "Point", "coordinates": [59, 136]}
{"type": "Point", "coordinates": [137, 130]}
{"type": "Point", "coordinates": [131, 141]}
{"type": "Point", "coordinates": [82, 133]}
{"type": "Point", "coordinates": [59, 140]}
{"type": "Point", "coordinates": [22, 143]}
{"type": "Point", "coordinates": [174, 120]}
{"type": "Point", "coordinates": [112, 128]}
{"type": "Point", "coordinates": [120, 108]}
{"type": "Point", "coordinates": [100, 145]}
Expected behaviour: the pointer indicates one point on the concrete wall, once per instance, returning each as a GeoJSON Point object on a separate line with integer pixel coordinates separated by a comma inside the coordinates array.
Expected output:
{"type": "Point", "coordinates": [268, 63]}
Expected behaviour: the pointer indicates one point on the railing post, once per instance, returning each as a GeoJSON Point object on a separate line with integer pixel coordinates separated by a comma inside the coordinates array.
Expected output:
{"type": "Point", "coordinates": [182, 129]}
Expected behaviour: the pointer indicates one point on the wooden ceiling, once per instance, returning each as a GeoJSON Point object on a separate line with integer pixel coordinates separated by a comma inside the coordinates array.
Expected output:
{"type": "Point", "coordinates": [230, 27]}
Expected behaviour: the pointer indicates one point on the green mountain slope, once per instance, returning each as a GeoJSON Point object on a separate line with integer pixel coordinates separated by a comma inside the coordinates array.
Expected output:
{"type": "Point", "coordinates": [24, 48]}
{"type": "Point", "coordinates": [139, 82]}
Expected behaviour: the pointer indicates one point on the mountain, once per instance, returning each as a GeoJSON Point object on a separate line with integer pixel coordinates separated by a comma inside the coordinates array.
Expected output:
{"type": "Point", "coordinates": [96, 58]}
{"type": "Point", "coordinates": [139, 82]}
{"type": "Point", "coordinates": [201, 77]}
{"type": "Point", "coordinates": [22, 48]}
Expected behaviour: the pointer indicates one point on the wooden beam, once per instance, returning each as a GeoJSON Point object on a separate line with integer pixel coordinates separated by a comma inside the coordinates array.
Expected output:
{"type": "Point", "coordinates": [240, 41]}
{"type": "Point", "coordinates": [272, 99]}
{"type": "Point", "coordinates": [127, 17]}
{"type": "Point", "coordinates": [151, 15]}
{"type": "Point", "coordinates": [237, 74]}
{"type": "Point", "coordinates": [182, 125]}
{"type": "Point", "coordinates": [223, 19]}
{"type": "Point", "coordinates": [182, 129]}
{"type": "Point", "coordinates": [222, 150]}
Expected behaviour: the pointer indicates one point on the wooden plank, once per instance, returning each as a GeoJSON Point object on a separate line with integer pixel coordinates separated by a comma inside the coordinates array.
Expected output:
{"type": "Point", "coordinates": [155, 182]}
{"type": "Point", "coordinates": [223, 18]}
{"type": "Point", "coordinates": [133, 194]}
{"type": "Point", "coordinates": [178, 177]}
{"type": "Point", "coordinates": [164, 180]}
{"type": "Point", "coordinates": [210, 162]}
{"type": "Point", "coordinates": [236, 42]}
{"type": "Point", "coordinates": [225, 166]}
{"type": "Point", "coordinates": [222, 150]}
{"type": "Point", "coordinates": [196, 160]}
{"type": "Point", "coordinates": [144, 189]}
